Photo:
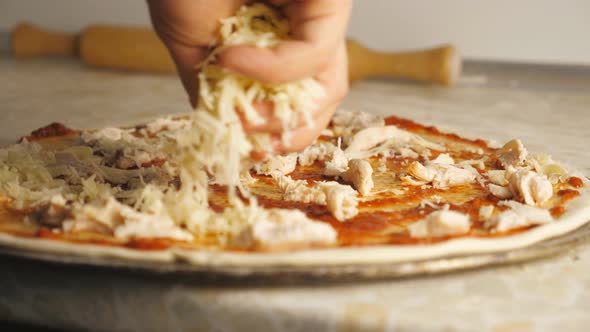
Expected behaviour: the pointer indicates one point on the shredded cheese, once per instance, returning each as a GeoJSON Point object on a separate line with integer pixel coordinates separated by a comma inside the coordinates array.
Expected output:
{"type": "Point", "coordinates": [106, 176]}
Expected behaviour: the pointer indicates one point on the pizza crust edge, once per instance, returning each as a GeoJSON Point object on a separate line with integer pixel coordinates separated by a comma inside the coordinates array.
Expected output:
{"type": "Point", "coordinates": [576, 215]}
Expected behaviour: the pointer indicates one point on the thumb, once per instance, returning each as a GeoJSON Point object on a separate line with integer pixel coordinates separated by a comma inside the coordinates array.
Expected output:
{"type": "Point", "coordinates": [187, 60]}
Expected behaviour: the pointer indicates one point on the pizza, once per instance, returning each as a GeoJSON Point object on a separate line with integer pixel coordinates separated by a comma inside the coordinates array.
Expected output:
{"type": "Point", "coordinates": [186, 188]}
{"type": "Point", "coordinates": [367, 182]}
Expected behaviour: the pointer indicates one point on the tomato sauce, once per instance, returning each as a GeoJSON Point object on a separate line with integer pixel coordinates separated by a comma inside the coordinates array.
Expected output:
{"type": "Point", "coordinates": [373, 225]}
{"type": "Point", "coordinates": [575, 182]}
{"type": "Point", "coordinates": [54, 129]}
{"type": "Point", "coordinates": [412, 126]}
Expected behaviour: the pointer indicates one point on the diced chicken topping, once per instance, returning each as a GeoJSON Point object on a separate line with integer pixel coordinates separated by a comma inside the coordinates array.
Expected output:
{"type": "Point", "coordinates": [141, 225]}
{"type": "Point", "coordinates": [369, 138]}
{"type": "Point", "coordinates": [486, 212]}
{"type": "Point", "coordinates": [317, 152]}
{"type": "Point", "coordinates": [387, 141]}
{"type": "Point", "coordinates": [360, 174]}
{"type": "Point", "coordinates": [109, 214]}
{"type": "Point", "coordinates": [337, 163]}
{"type": "Point", "coordinates": [340, 199]}
{"type": "Point", "coordinates": [477, 163]}
{"type": "Point", "coordinates": [421, 172]}
{"type": "Point", "coordinates": [498, 177]}
{"type": "Point", "coordinates": [512, 153]}
{"type": "Point", "coordinates": [110, 133]}
{"type": "Point", "coordinates": [277, 165]}
{"type": "Point", "coordinates": [300, 191]}
{"type": "Point", "coordinates": [346, 123]}
{"type": "Point", "coordinates": [410, 180]}
{"type": "Point", "coordinates": [518, 216]}
{"type": "Point", "coordinates": [500, 191]}
{"type": "Point", "coordinates": [285, 229]}
{"type": "Point", "coordinates": [533, 188]}
{"type": "Point", "coordinates": [125, 222]}
{"type": "Point", "coordinates": [544, 164]}
{"type": "Point", "coordinates": [440, 223]}
{"type": "Point", "coordinates": [440, 175]}
{"type": "Point", "coordinates": [443, 158]}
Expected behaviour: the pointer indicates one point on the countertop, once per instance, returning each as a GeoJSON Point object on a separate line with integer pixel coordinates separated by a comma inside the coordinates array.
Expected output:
{"type": "Point", "coordinates": [547, 107]}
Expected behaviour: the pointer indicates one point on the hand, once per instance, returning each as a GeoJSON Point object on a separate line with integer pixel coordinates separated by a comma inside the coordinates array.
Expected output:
{"type": "Point", "coordinates": [187, 28]}
{"type": "Point", "coordinates": [318, 49]}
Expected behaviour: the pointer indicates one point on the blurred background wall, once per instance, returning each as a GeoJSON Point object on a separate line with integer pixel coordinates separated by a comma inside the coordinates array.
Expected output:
{"type": "Point", "coordinates": [553, 31]}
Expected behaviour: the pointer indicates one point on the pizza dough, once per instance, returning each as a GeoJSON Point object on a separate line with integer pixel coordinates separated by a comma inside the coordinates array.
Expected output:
{"type": "Point", "coordinates": [446, 199]}
{"type": "Point", "coordinates": [370, 190]}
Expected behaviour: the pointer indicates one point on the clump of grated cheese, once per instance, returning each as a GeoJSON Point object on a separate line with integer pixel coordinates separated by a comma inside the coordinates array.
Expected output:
{"type": "Point", "coordinates": [24, 176]}
{"type": "Point", "coordinates": [222, 93]}
{"type": "Point", "coordinates": [31, 174]}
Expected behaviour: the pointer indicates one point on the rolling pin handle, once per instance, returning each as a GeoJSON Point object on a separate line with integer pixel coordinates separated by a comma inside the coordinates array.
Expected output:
{"type": "Point", "coordinates": [140, 49]}
{"type": "Point", "coordinates": [440, 65]}
{"type": "Point", "coordinates": [30, 41]}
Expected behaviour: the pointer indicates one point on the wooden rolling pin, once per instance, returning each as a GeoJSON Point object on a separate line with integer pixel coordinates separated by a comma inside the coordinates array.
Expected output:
{"type": "Point", "coordinates": [140, 49]}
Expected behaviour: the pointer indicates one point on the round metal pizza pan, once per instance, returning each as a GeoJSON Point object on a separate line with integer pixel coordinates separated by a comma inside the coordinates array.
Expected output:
{"type": "Point", "coordinates": [286, 274]}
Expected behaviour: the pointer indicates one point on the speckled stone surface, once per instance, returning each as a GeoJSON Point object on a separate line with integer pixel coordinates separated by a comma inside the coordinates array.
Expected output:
{"type": "Point", "coordinates": [548, 108]}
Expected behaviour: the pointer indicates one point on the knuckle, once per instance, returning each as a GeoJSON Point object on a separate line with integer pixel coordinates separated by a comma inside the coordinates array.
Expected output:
{"type": "Point", "coordinates": [223, 59]}
{"type": "Point", "coordinates": [340, 93]}
{"type": "Point", "coordinates": [322, 64]}
{"type": "Point", "coordinates": [272, 74]}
